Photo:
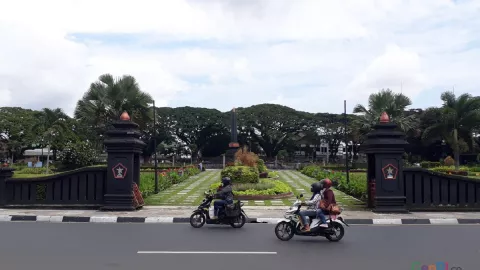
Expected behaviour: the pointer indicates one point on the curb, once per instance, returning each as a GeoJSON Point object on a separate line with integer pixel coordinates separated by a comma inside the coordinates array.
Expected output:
{"type": "Point", "coordinates": [110, 219]}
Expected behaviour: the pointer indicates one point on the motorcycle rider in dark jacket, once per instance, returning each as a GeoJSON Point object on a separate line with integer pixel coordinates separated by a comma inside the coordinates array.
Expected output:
{"type": "Point", "coordinates": [225, 194]}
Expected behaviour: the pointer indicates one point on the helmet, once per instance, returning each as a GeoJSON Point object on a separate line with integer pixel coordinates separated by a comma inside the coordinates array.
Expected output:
{"type": "Point", "coordinates": [327, 183]}
{"type": "Point", "coordinates": [316, 187]}
{"type": "Point", "coordinates": [226, 181]}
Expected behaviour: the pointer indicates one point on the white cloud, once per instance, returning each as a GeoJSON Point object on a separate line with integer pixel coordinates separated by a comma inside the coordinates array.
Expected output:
{"type": "Point", "coordinates": [309, 54]}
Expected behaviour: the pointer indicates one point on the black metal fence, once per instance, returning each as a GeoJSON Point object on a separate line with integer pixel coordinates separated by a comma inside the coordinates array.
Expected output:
{"type": "Point", "coordinates": [427, 190]}
{"type": "Point", "coordinates": [82, 188]}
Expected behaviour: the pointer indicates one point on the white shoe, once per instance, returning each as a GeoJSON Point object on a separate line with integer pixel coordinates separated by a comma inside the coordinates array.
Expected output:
{"type": "Point", "coordinates": [324, 225]}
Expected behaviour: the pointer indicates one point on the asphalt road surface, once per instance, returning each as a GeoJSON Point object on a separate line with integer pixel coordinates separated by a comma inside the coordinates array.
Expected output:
{"type": "Point", "coordinates": [64, 246]}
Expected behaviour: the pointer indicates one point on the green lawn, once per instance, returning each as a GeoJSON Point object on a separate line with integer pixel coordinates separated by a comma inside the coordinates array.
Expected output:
{"type": "Point", "coordinates": [190, 192]}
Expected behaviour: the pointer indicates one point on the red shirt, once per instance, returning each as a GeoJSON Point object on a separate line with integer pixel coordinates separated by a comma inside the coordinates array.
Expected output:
{"type": "Point", "coordinates": [329, 197]}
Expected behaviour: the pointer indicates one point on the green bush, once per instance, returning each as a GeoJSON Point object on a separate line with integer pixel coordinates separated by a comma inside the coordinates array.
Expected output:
{"type": "Point", "coordinates": [241, 174]}
{"type": "Point", "coordinates": [430, 164]}
{"type": "Point", "coordinates": [261, 166]}
{"type": "Point", "coordinates": [77, 155]}
{"type": "Point", "coordinates": [264, 187]}
{"type": "Point", "coordinates": [356, 188]}
{"type": "Point", "coordinates": [33, 171]}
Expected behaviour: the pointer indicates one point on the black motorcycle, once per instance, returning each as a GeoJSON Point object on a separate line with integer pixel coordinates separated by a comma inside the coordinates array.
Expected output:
{"type": "Point", "coordinates": [232, 215]}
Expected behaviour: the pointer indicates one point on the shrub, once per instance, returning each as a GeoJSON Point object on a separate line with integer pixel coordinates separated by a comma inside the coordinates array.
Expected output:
{"type": "Point", "coordinates": [77, 155]}
{"type": "Point", "coordinates": [430, 164]}
{"type": "Point", "coordinates": [246, 158]}
{"type": "Point", "coordinates": [264, 187]}
{"type": "Point", "coordinates": [241, 174]}
{"type": "Point", "coordinates": [261, 165]}
{"type": "Point", "coordinates": [449, 161]}
{"type": "Point", "coordinates": [33, 171]}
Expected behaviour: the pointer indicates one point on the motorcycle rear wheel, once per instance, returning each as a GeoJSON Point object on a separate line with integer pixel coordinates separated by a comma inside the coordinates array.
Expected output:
{"type": "Point", "coordinates": [286, 228]}
{"type": "Point", "coordinates": [340, 232]}
{"type": "Point", "coordinates": [241, 221]}
{"type": "Point", "coordinates": [197, 220]}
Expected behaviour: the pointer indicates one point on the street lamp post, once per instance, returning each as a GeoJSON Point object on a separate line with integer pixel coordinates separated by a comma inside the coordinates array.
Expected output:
{"type": "Point", "coordinates": [346, 141]}
{"type": "Point", "coordinates": [155, 146]}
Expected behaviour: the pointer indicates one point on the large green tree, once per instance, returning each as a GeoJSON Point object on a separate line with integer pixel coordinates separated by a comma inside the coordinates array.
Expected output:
{"type": "Point", "coordinates": [15, 129]}
{"type": "Point", "coordinates": [458, 117]}
{"type": "Point", "coordinates": [272, 126]}
{"type": "Point", "coordinates": [196, 127]}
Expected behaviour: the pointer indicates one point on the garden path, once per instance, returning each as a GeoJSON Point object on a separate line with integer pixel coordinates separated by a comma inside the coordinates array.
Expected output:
{"type": "Point", "coordinates": [190, 192]}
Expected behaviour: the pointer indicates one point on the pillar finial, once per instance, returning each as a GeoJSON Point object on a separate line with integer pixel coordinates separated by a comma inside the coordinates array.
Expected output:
{"type": "Point", "coordinates": [384, 118]}
{"type": "Point", "coordinates": [125, 116]}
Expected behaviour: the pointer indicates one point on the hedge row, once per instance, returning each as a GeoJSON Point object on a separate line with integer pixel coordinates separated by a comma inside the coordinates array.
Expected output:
{"type": "Point", "coordinates": [357, 187]}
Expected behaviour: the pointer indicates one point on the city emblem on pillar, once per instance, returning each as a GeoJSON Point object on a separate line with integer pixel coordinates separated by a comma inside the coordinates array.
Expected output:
{"type": "Point", "coordinates": [119, 171]}
{"type": "Point", "coordinates": [390, 172]}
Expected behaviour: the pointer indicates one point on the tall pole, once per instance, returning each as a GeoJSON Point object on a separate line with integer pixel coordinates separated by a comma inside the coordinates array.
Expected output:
{"type": "Point", "coordinates": [346, 140]}
{"type": "Point", "coordinates": [155, 146]}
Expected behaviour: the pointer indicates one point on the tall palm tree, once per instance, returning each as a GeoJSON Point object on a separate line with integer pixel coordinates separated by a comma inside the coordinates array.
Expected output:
{"type": "Point", "coordinates": [459, 117]}
{"type": "Point", "coordinates": [108, 97]}
{"type": "Point", "coordinates": [394, 104]}
{"type": "Point", "coordinates": [51, 128]}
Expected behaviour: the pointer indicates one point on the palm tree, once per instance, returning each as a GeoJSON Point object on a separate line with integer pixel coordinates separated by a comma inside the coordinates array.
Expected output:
{"type": "Point", "coordinates": [108, 97]}
{"type": "Point", "coordinates": [394, 104]}
{"type": "Point", "coordinates": [459, 117]}
{"type": "Point", "coordinates": [51, 129]}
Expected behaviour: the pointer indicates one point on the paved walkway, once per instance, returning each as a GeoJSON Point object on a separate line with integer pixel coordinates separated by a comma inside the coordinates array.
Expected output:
{"type": "Point", "coordinates": [190, 192]}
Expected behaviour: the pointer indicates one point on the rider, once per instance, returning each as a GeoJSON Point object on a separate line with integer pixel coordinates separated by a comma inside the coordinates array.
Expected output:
{"type": "Point", "coordinates": [225, 195]}
{"type": "Point", "coordinates": [329, 198]}
{"type": "Point", "coordinates": [312, 205]}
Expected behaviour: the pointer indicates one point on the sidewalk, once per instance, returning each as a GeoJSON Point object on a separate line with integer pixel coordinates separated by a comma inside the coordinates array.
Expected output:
{"type": "Point", "coordinates": [256, 214]}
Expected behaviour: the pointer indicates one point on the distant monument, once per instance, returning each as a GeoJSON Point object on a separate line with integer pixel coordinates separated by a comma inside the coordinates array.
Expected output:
{"type": "Point", "coordinates": [233, 145]}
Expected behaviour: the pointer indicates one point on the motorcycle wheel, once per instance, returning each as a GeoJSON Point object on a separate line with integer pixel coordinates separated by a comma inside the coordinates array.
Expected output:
{"type": "Point", "coordinates": [339, 232]}
{"type": "Point", "coordinates": [284, 231]}
{"type": "Point", "coordinates": [240, 222]}
{"type": "Point", "coordinates": [197, 220]}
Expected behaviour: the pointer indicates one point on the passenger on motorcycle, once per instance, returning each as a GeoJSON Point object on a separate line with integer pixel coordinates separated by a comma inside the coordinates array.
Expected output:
{"type": "Point", "coordinates": [312, 205]}
{"type": "Point", "coordinates": [225, 195]}
{"type": "Point", "coordinates": [328, 198]}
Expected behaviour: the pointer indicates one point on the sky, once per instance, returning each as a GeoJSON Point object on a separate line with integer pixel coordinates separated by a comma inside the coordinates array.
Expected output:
{"type": "Point", "coordinates": [306, 54]}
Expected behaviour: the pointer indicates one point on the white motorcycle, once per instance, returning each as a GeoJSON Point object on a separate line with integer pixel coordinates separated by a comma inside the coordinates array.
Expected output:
{"type": "Point", "coordinates": [291, 225]}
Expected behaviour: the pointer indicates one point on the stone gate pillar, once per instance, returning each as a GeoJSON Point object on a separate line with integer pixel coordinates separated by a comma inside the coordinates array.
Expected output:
{"type": "Point", "coordinates": [384, 147]}
{"type": "Point", "coordinates": [123, 146]}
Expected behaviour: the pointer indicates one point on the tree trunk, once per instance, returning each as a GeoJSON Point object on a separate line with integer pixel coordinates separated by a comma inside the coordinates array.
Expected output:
{"type": "Point", "coordinates": [456, 150]}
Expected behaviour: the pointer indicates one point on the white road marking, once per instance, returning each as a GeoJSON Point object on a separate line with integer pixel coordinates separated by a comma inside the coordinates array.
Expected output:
{"type": "Point", "coordinates": [209, 252]}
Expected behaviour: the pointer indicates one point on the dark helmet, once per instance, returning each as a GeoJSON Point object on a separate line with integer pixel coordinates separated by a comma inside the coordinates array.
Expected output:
{"type": "Point", "coordinates": [226, 181]}
{"type": "Point", "coordinates": [327, 183]}
{"type": "Point", "coordinates": [316, 187]}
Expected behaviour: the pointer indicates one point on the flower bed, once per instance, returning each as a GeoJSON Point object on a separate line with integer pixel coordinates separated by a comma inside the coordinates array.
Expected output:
{"type": "Point", "coordinates": [166, 178]}
{"type": "Point", "coordinates": [264, 190]}
{"type": "Point", "coordinates": [356, 188]}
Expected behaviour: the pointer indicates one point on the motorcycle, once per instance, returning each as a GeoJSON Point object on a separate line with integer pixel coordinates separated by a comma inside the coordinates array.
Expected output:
{"type": "Point", "coordinates": [232, 215]}
{"type": "Point", "coordinates": [291, 225]}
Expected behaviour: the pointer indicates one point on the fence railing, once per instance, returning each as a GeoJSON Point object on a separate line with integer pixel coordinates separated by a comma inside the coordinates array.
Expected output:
{"type": "Point", "coordinates": [83, 187]}
{"type": "Point", "coordinates": [428, 190]}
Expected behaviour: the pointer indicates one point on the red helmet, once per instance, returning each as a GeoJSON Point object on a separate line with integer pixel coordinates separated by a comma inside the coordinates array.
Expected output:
{"type": "Point", "coordinates": [327, 183]}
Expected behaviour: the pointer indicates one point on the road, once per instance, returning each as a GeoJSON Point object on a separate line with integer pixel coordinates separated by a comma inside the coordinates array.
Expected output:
{"type": "Point", "coordinates": [53, 246]}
